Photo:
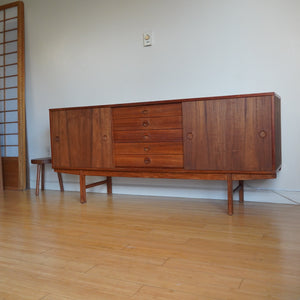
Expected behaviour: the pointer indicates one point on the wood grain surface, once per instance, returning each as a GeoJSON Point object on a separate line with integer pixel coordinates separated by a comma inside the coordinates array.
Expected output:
{"type": "Point", "coordinates": [132, 247]}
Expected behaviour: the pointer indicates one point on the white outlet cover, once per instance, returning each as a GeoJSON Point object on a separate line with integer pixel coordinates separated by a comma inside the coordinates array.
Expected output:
{"type": "Point", "coordinates": [147, 38]}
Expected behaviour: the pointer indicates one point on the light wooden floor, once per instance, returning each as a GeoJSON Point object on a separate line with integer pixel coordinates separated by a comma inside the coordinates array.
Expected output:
{"type": "Point", "coordinates": [131, 247]}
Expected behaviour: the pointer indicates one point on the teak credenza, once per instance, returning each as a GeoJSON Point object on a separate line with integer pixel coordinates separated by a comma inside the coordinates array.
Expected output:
{"type": "Point", "coordinates": [232, 138]}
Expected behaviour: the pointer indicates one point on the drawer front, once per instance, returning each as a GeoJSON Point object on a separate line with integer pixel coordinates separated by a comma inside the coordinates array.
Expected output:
{"type": "Point", "coordinates": [149, 161]}
{"type": "Point", "coordinates": [148, 123]}
{"type": "Point", "coordinates": [172, 135]}
{"type": "Point", "coordinates": [157, 110]}
{"type": "Point", "coordinates": [149, 148]}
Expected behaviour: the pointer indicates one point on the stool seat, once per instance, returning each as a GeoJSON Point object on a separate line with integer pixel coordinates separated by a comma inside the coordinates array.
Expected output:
{"type": "Point", "coordinates": [40, 162]}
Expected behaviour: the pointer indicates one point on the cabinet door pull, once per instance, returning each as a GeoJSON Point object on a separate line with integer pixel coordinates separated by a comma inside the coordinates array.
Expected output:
{"type": "Point", "coordinates": [147, 160]}
{"type": "Point", "coordinates": [104, 138]}
{"type": "Point", "coordinates": [57, 139]}
{"type": "Point", "coordinates": [262, 134]}
{"type": "Point", "coordinates": [147, 149]}
{"type": "Point", "coordinates": [189, 136]}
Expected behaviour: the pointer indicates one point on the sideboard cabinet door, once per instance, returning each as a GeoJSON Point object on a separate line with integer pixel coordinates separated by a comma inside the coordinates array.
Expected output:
{"type": "Point", "coordinates": [81, 138]}
{"type": "Point", "coordinates": [229, 134]}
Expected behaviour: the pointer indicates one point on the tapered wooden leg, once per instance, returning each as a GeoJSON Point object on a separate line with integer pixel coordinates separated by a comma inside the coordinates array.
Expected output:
{"type": "Point", "coordinates": [109, 185]}
{"type": "Point", "coordinates": [43, 177]}
{"type": "Point", "coordinates": [82, 189]}
{"type": "Point", "coordinates": [37, 186]}
{"type": "Point", "coordinates": [61, 185]}
{"type": "Point", "coordinates": [241, 191]}
{"type": "Point", "coordinates": [230, 194]}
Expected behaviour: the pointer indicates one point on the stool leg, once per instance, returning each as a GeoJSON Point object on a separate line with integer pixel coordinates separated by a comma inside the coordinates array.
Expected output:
{"type": "Point", "coordinates": [43, 177]}
{"type": "Point", "coordinates": [38, 171]}
{"type": "Point", "coordinates": [61, 185]}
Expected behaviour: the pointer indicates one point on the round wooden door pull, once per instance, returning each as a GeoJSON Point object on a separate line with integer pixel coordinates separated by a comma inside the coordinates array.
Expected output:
{"type": "Point", "coordinates": [190, 136]}
{"type": "Point", "coordinates": [146, 149]}
{"type": "Point", "coordinates": [262, 134]}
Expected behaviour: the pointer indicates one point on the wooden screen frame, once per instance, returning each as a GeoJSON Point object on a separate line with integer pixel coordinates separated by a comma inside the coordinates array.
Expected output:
{"type": "Point", "coordinates": [14, 168]}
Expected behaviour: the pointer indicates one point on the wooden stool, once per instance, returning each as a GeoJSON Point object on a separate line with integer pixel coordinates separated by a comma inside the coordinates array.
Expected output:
{"type": "Point", "coordinates": [40, 162]}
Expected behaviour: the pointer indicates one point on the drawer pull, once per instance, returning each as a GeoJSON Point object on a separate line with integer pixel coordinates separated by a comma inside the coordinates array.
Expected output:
{"type": "Point", "coordinates": [146, 136]}
{"type": "Point", "coordinates": [262, 134]}
{"type": "Point", "coordinates": [145, 111]}
{"type": "Point", "coordinates": [104, 138]}
{"type": "Point", "coordinates": [146, 123]}
{"type": "Point", "coordinates": [190, 136]}
{"type": "Point", "coordinates": [57, 139]}
{"type": "Point", "coordinates": [147, 149]}
{"type": "Point", "coordinates": [147, 160]}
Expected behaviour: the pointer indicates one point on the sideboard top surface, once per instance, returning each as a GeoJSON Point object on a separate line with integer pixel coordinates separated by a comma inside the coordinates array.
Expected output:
{"type": "Point", "coordinates": [270, 94]}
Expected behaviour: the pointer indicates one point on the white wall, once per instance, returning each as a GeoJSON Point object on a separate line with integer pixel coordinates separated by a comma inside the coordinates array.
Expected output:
{"type": "Point", "coordinates": [91, 52]}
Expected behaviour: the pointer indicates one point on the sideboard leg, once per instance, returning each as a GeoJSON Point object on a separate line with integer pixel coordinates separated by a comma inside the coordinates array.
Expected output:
{"type": "Point", "coordinates": [43, 177]}
{"type": "Point", "coordinates": [109, 185]}
{"type": "Point", "coordinates": [241, 191]}
{"type": "Point", "coordinates": [230, 194]}
{"type": "Point", "coordinates": [82, 189]}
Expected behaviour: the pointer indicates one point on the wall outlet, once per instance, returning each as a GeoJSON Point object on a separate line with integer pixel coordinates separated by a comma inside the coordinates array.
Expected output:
{"type": "Point", "coordinates": [147, 38]}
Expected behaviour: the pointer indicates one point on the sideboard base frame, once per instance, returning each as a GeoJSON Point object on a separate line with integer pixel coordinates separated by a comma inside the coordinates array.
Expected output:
{"type": "Point", "coordinates": [229, 177]}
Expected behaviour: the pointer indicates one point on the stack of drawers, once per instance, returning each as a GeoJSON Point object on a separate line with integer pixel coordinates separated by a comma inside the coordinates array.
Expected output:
{"type": "Point", "coordinates": [148, 136]}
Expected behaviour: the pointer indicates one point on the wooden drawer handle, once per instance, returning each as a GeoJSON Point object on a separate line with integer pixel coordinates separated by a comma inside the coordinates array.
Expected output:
{"type": "Point", "coordinates": [147, 149]}
{"type": "Point", "coordinates": [145, 111]}
{"type": "Point", "coordinates": [147, 160]}
{"type": "Point", "coordinates": [262, 134]}
{"type": "Point", "coordinates": [57, 139]}
{"type": "Point", "coordinates": [146, 123]}
{"type": "Point", "coordinates": [104, 138]}
{"type": "Point", "coordinates": [189, 136]}
{"type": "Point", "coordinates": [146, 136]}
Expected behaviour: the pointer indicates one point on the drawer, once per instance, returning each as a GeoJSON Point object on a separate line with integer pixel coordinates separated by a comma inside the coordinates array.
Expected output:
{"type": "Point", "coordinates": [149, 148]}
{"type": "Point", "coordinates": [157, 110]}
{"type": "Point", "coordinates": [151, 161]}
{"type": "Point", "coordinates": [171, 135]}
{"type": "Point", "coordinates": [147, 123]}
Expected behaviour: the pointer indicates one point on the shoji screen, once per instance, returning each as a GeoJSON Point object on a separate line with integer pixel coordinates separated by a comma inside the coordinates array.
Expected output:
{"type": "Point", "coordinates": [12, 105]}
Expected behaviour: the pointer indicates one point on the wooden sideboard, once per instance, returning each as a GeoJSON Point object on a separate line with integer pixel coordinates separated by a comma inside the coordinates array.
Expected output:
{"type": "Point", "coordinates": [232, 138]}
